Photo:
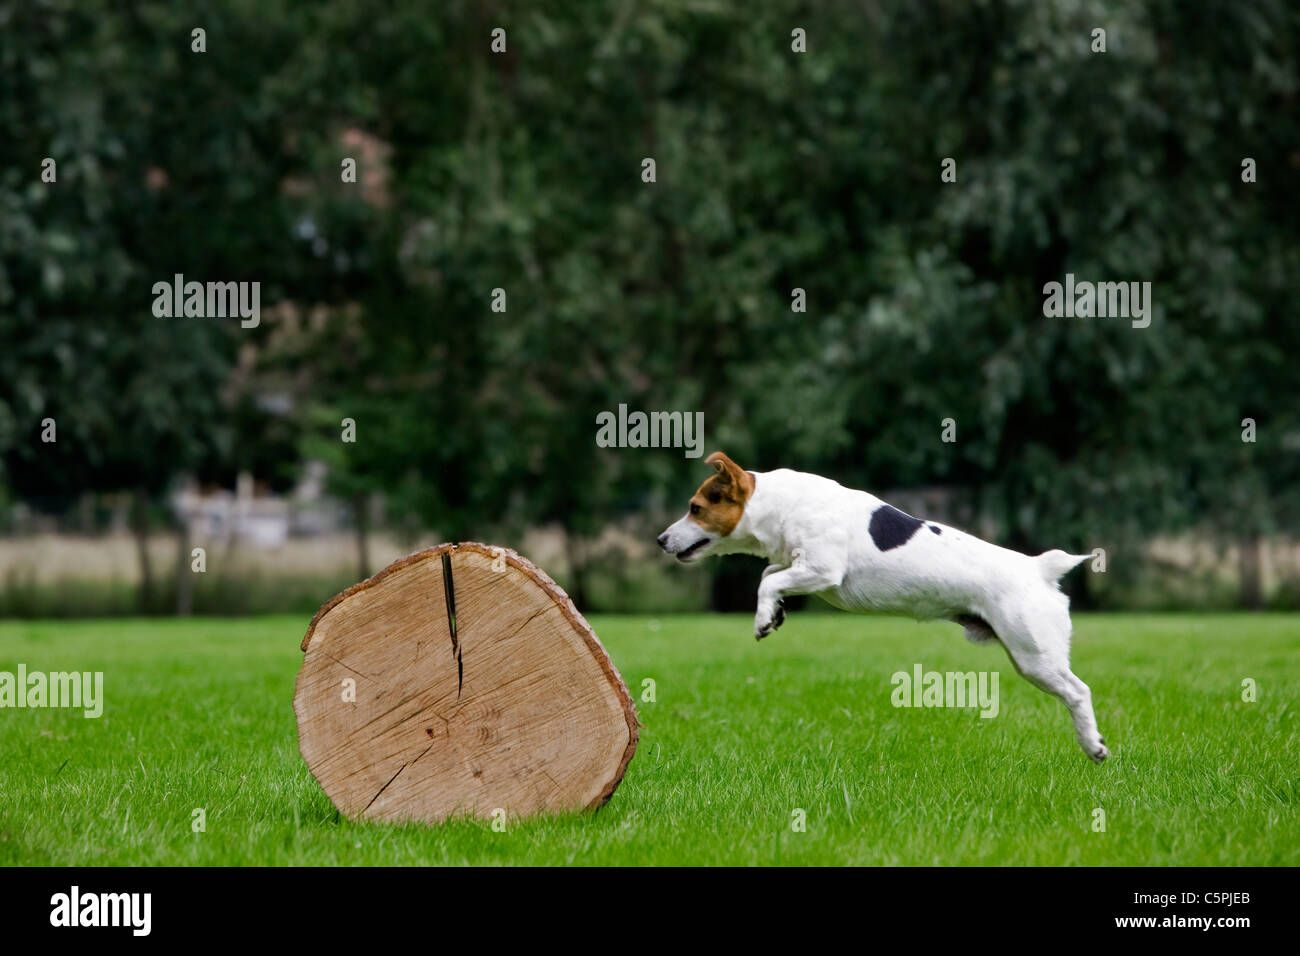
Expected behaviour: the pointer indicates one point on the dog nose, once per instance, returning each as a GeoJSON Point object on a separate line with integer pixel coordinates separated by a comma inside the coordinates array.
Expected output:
{"type": "Point", "coordinates": [663, 541]}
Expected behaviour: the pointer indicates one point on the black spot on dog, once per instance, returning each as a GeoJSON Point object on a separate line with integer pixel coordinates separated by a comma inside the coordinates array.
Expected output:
{"type": "Point", "coordinates": [890, 528]}
{"type": "Point", "coordinates": [935, 529]}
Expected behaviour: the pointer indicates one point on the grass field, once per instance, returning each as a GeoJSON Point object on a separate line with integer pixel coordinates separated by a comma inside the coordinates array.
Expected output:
{"type": "Point", "coordinates": [198, 714]}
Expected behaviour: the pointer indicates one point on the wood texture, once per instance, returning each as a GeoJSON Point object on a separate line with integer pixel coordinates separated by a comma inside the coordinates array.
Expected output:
{"type": "Point", "coordinates": [535, 719]}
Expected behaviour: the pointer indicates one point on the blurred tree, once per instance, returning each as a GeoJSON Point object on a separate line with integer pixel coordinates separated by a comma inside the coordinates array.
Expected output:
{"type": "Point", "coordinates": [521, 171]}
{"type": "Point", "coordinates": [167, 162]}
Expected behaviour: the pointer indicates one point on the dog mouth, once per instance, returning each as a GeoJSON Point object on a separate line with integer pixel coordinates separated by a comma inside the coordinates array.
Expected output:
{"type": "Point", "coordinates": [692, 551]}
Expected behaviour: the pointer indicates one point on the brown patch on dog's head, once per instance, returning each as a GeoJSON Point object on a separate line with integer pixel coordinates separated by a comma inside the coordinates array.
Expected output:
{"type": "Point", "coordinates": [718, 503]}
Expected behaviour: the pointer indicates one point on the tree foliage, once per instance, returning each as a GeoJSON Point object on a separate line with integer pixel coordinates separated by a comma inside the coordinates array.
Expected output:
{"type": "Point", "coordinates": [521, 171]}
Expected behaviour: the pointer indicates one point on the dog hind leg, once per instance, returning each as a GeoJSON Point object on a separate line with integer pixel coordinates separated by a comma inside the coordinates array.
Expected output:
{"type": "Point", "coordinates": [1040, 651]}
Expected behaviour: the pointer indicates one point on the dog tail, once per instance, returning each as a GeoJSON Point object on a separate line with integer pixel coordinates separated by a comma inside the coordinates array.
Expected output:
{"type": "Point", "coordinates": [1052, 564]}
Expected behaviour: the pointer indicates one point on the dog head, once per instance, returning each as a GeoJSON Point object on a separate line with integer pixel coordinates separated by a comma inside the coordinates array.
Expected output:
{"type": "Point", "coordinates": [714, 512]}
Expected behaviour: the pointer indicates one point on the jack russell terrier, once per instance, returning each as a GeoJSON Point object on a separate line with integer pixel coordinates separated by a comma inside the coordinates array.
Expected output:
{"type": "Point", "coordinates": [860, 554]}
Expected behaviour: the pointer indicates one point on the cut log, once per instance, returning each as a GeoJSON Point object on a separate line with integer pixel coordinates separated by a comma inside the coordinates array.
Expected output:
{"type": "Point", "coordinates": [460, 680]}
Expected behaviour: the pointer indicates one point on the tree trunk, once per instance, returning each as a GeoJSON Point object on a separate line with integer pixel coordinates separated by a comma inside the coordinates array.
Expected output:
{"type": "Point", "coordinates": [184, 575]}
{"type": "Point", "coordinates": [140, 527]}
{"type": "Point", "coordinates": [360, 506]}
{"type": "Point", "coordinates": [734, 587]}
{"type": "Point", "coordinates": [577, 570]}
{"type": "Point", "coordinates": [1252, 595]}
{"type": "Point", "coordinates": [87, 514]}
{"type": "Point", "coordinates": [1078, 587]}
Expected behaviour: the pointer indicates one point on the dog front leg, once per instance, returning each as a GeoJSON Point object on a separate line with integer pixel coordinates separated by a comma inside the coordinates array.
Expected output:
{"type": "Point", "coordinates": [799, 578]}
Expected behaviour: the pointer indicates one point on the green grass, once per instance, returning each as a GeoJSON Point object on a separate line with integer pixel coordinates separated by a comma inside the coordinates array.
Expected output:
{"type": "Point", "coordinates": [198, 714]}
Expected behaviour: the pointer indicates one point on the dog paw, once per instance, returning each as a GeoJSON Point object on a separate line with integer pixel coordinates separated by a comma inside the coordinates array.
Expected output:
{"type": "Point", "coordinates": [764, 627]}
{"type": "Point", "coordinates": [1097, 752]}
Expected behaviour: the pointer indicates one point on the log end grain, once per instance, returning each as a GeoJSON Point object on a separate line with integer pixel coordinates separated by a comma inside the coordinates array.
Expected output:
{"type": "Point", "coordinates": [517, 709]}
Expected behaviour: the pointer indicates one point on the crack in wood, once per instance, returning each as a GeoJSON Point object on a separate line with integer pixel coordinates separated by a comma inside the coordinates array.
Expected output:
{"type": "Point", "coordinates": [400, 703]}
{"type": "Point", "coordinates": [385, 786]}
{"type": "Point", "coordinates": [345, 666]}
{"type": "Point", "coordinates": [500, 747]}
{"type": "Point", "coordinates": [531, 618]}
{"type": "Point", "coordinates": [408, 763]}
{"type": "Point", "coordinates": [449, 592]}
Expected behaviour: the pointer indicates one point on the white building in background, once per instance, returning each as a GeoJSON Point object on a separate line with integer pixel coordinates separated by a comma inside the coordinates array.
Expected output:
{"type": "Point", "coordinates": [262, 520]}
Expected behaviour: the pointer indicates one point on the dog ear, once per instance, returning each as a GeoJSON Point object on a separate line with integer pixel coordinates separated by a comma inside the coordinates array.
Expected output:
{"type": "Point", "coordinates": [722, 465]}
{"type": "Point", "coordinates": [729, 473]}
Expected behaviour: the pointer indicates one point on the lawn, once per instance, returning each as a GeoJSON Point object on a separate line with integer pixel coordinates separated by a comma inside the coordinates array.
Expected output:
{"type": "Point", "coordinates": [198, 714]}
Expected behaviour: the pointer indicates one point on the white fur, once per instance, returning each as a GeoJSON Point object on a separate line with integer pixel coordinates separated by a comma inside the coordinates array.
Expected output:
{"type": "Point", "coordinates": [814, 531]}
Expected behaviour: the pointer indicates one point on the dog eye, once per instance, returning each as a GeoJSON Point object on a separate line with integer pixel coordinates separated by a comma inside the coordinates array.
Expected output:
{"type": "Point", "coordinates": [695, 509]}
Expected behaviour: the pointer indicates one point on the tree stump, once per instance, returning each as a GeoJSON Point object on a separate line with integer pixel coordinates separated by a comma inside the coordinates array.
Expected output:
{"type": "Point", "coordinates": [460, 680]}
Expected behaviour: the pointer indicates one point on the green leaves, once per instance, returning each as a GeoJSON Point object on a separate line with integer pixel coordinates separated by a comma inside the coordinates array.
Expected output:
{"type": "Point", "coordinates": [776, 170]}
